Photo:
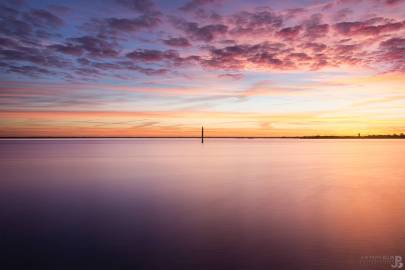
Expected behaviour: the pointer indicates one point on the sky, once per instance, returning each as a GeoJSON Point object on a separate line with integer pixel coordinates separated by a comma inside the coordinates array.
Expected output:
{"type": "Point", "coordinates": [164, 68]}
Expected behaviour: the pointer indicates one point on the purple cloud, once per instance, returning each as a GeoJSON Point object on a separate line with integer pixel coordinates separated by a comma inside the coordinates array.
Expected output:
{"type": "Point", "coordinates": [205, 33]}
{"type": "Point", "coordinates": [152, 55]}
{"type": "Point", "coordinates": [316, 47]}
{"type": "Point", "coordinates": [366, 28]}
{"type": "Point", "coordinates": [32, 71]}
{"type": "Point", "coordinates": [195, 4]}
{"type": "Point", "coordinates": [233, 76]}
{"type": "Point", "coordinates": [43, 18]}
{"type": "Point", "coordinates": [95, 47]}
{"type": "Point", "coordinates": [128, 25]}
{"type": "Point", "coordinates": [177, 42]}
{"type": "Point", "coordinates": [143, 6]}
{"type": "Point", "coordinates": [289, 32]}
{"type": "Point", "coordinates": [69, 49]}
{"type": "Point", "coordinates": [260, 21]}
{"type": "Point", "coordinates": [393, 51]}
{"type": "Point", "coordinates": [134, 38]}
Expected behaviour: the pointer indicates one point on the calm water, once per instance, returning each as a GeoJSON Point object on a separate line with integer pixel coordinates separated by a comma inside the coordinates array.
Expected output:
{"type": "Point", "coordinates": [176, 204]}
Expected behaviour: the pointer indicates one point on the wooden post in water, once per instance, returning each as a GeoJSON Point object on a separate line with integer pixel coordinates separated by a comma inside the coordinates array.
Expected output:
{"type": "Point", "coordinates": [202, 134]}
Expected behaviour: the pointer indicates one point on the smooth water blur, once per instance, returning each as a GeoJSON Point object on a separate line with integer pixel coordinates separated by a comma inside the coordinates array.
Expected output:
{"type": "Point", "coordinates": [177, 204]}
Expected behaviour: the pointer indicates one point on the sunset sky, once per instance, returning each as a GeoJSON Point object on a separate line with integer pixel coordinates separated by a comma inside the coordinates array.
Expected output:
{"type": "Point", "coordinates": [164, 68]}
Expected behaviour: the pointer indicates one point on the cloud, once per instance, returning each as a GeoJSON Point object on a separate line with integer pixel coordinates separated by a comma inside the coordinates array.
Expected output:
{"type": "Point", "coordinates": [237, 56]}
{"type": "Point", "coordinates": [316, 31]}
{"type": "Point", "coordinates": [101, 68]}
{"type": "Point", "coordinates": [31, 27]}
{"type": "Point", "coordinates": [69, 49]}
{"type": "Point", "coordinates": [177, 42]}
{"type": "Point", "coordinates": [392, 2]}
{"type": "Point", "coordinates": [87, 71]}
{"type": "Point", "coordinates": [267, 88]}
{"type": "Point", "coordinates": [32, 71]}
{"type": "Point", "coordinates": [150, 71]}
{"type": "Point", "coordinates": [366, 28]}
{"type": "Point", "coordinates": [129, 66]}
{"type": "Point", "coordinates": [392, 51]}
{"type": "Point", "coordinates": [8, 43]}
{"type": "Point", "coordinates": [393, 43]}
{"type": "Point", "coordinates": [171, 57]}
{"type": "Point", "coordinates": [195, 4]}
{"type": "Point", "coordinates": [289, 32]}
{"type": "Point", "coordinates": [95, 47]}
{"type": "Point", "coordinates": [8, 12]}
{"type": "Point", "coordinates": [129, 25]}
{"type": "Point", "coordinates": [379, 101]}
{"type": "Point", "coordinates": [263, 21]}
{"type": "Point", "coordinates": [299, 57]}
{"type": "Point", "coordinates": [342, 14]}
{"type": "Point", "coordinates": [12, 27]}
{"type": "Point", "coordinates": [204, 33]}
{"type": "Point", "coordinates": [113, 28]}
{"type": "Point", "coordinates": [233, 76]}
{"type": "Point", "coordinates": [43, 18]}
{"type": "Point", "coordinates": [59, 9]}
{"type": "Point", "coordinates": [143, 6]}
{"type": "Point", "coordinates": [294, 12]}
{"type": "Point", "coordinates": [153, 55]}
{"type": "Point", "coordinates": [315, 47]}
{"type": "Point", "coordinates": [35, 56]}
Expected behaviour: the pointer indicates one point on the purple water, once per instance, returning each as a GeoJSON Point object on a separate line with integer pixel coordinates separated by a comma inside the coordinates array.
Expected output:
{"type": "Point", "coordinates": [177, 204]}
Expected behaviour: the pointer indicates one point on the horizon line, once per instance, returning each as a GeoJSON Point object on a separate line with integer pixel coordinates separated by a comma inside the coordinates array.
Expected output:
{"type": "Point", "coordinates": [381, 136]}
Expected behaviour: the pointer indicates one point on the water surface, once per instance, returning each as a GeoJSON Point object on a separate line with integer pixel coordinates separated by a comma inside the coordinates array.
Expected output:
{"type": "Point", "coordinates": [178, 204]}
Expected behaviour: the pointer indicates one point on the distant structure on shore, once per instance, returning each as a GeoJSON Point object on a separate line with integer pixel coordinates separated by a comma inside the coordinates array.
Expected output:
{"type": "Point", "coordinates": [359, 136]}
{"type": "Point", "coordinates": [202, 134]}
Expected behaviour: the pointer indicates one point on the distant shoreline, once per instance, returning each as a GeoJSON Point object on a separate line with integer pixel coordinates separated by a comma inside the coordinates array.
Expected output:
{"type": "Point", "coordinates": [213, 137]}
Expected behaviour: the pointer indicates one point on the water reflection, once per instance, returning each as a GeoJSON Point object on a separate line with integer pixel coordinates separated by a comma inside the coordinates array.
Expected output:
{"type": "Point", "coordinates": [177, 204]}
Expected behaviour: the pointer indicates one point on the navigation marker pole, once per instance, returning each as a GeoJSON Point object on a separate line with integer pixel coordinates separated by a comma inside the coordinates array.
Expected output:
{"type": "Point", "coordinates": [202, 134]}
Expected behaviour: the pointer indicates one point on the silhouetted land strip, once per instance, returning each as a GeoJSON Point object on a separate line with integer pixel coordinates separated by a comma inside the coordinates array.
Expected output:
{"type": "Point", "coordinates": [393, 136]}
{"type": "Point", "coordinates": [389, 136]}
